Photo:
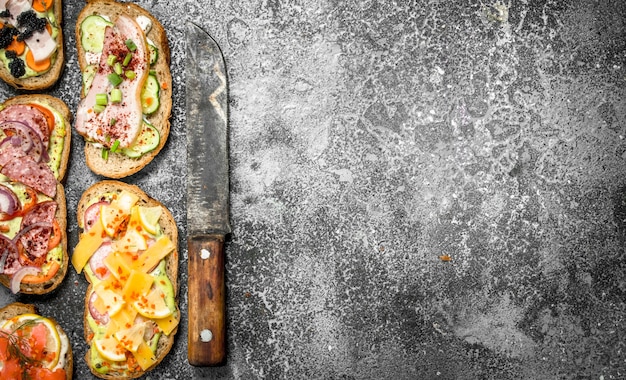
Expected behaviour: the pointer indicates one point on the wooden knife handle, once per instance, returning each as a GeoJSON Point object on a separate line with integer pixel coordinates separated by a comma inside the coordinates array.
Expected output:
{"type": "Point", "coordinates": [206, 333]}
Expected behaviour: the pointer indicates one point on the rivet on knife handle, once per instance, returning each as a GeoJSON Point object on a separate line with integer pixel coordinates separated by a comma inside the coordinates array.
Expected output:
{"type": "Point", "coordinates": [206, 296]}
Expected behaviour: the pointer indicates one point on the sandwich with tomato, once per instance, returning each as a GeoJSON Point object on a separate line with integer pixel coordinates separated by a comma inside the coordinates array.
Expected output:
{"type": "Point", "coordinates": [124, 113]}
{"type": "Point", "coordinates": [127, 250]}
{"type": "Point", "coordinates": [32, 346]}
{"type": "Point", "coordinates": [31, 43]}
{"type": "Point", "coordinates": [35, 133]}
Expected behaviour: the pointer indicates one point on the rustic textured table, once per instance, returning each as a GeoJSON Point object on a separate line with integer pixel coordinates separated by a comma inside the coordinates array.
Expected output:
{"type": "Point", "coordinates": [420, 190]}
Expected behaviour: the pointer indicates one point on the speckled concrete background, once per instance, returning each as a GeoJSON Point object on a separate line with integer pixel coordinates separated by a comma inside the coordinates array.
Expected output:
{"type": "Point", "coordinates": [371, 139]}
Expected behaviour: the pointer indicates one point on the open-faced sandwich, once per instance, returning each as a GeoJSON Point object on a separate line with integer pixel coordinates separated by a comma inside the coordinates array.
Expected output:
{"type": "Point", "coordinates": [35, 133]}
{"type": "Point", "coordinates": [124, 57]}
{"type": "Point", "coordinates": [128, 252]}
{"type": "Point", "coordinates": [32, 346]}
{"type": "Point", "coordinates": [31, 43]}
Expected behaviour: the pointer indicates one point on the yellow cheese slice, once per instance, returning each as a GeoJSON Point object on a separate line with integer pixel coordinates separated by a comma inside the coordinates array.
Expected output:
{"type": "Point", "coordinates": [151, 256]}
{"type": "Point", "coordinates": [88, 243]}
{"type": "Point", "coordinates": [168, 324]}
{"type": "Point", "coordinates": [138, 285]}
{"type": "Point", "coordinates": [144, 356]}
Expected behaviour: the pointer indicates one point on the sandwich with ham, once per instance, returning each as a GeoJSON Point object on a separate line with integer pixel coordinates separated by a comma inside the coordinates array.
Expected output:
{"type": "Point", "coordinates": [35, 133]}
{"type": "Point", "coordinates": [124, 113]}
{"type": "Point", "coordinates": [128, 252]}
{"type": "Point", "coordinates": [31, 43]}
{"type": "Point", "coordinates": [32, 346]}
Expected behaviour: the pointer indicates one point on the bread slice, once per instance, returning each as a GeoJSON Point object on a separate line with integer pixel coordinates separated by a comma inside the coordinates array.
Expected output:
{"type": "Point", "coordinates": [17, 308]}
{"type": "Point", "coordinates": [65, 114]}
{"type": "Point", "coordinates": [61, 114]}
{"type": "Point", "coordinates": [96, 193]}
{"type": "Point", "coordinates": [117, 165]}
{"type": "Point", "coordinates": [49, 77]}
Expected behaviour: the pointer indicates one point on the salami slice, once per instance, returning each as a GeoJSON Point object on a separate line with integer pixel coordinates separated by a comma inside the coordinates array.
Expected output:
{"type": "Point", "coordinates": [28, 115]}
{"type": "Point", "coordinates": [8, 256]}
{"type": "Point", "coordinates": [31, 173]}
{"type": "Point", "coordinates": [36, 230]}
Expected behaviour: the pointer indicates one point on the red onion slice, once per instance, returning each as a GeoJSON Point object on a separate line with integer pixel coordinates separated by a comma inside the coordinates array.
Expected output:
{"type": "Point", "coordinates": [17, 278]}
{"type": "Point", "coordinates": [30, 141]}
{"type": "Point", "coordinates": [100, 318]}
{"type": "Point", "coordinates": [9, 203]}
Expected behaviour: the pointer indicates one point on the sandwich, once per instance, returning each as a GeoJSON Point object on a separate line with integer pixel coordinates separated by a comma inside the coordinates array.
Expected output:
{"type": "Point", "coordinates": [35, 133]}
{"type": "Point", "coordinates": [124, 113]}
{"type": "Point", "coordinates": [31, 43]}
{"type": "Point", "coordinates": [32, 346]}
{"type": "Point", "coordinates": [127, 250]}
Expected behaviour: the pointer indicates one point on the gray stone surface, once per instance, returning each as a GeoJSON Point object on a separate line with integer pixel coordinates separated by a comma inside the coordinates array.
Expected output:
{"type": "Point", "coordinates": [370, 140]}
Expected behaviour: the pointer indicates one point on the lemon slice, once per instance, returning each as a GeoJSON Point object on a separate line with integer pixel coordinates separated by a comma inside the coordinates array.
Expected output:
{"type": "Point", "coordinates": [132, 241]}
{"type": "Point", "coordinates": [153, 305]}
{"type": "Point", "coordinates": [26, 322]}
{"type": "Point", "coordinates": [149, 218]}
{"type": "Point", "coordinates": [132, 337]}
{"type": "Point", "coordinates": [110, 349]}
{"type": "Point", "coordinates": [112, 218]}
{"type": "Point", "coordinates": [125, 201]}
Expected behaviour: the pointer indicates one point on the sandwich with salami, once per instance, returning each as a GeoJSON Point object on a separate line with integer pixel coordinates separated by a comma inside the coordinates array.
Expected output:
{"type": "Point", "coordinates": [124, 113]}
{"type": "Point", "coordinates": [32, 346]}
{"type": "Point", "coordinates": [31, 43]}
{"type": "Point", "coordinates": [35, 133]}
{"type": "Point", "coordinates": [128, 252]}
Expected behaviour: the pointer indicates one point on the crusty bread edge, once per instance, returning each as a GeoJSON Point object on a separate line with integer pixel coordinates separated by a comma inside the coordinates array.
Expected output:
{"type": "Point", "coordinates": [117, 165]}
{"type": "Point", "coordinates": [61, 212]}
{"type": "Point", "coordinates": [50, 77]}
{"type": "Point", "coordinates": [17, 308]}
{"type": "Point", "coordinates": [168, 225]}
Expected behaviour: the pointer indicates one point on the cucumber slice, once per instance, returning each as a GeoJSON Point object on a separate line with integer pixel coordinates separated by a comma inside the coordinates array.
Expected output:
{"type": "Point", "coordinates": [92, 33]}
{"type": "Point", "coordinates": [147, 141]}
{"type": "Point", "coordinates": [154, 53]}
{"type": "Point", "coordinates": [150, 95]}
{"type": "Point", "coordinates": [88, 75]}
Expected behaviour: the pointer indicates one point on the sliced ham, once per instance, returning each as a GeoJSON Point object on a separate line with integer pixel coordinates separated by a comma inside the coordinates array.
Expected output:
{"type": "Point", "coordinates": [31, 173]}
{"type": "Point", "coordinates": [127, 114]}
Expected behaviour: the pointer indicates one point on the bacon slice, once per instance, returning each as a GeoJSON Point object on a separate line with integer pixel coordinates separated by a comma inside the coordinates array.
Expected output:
{"type": "Point", "coordinates": [126, 115]}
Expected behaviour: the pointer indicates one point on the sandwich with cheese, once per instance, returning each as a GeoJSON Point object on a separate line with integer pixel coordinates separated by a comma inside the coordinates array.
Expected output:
{"type": "Point", "coordinates": [128, 252]}
{"type": "Point", "coordinates": [124, 113]}
{"type": "Point", "coordinates": [35, 133]}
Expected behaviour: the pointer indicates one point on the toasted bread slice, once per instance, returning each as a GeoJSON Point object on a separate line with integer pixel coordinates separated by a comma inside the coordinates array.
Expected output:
{"type": "Point", "coordinates": [49, 76]}
{"type": "Point", "coordinates": [168, 266]}
{"type": "Point", "coordinates": [119, 165]}
{"type": "Point", "coordinates": [59, 151]}
{"type": "Point", "coordinates": [66, 358]}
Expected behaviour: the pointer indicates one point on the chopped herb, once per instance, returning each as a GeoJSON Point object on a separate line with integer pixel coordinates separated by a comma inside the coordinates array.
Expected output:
{"type": "Point", "coordinates": [130, 74]}
{"type": "Point", "coordinates": [130, 44]}
{"type": "Point", "coordinates": [111, 59]}
{"type": "Point", "coordinates": [102, 99]}
{"type": "Point", "coordinates": [127, 59]}
{"type": "Point", "coordinates": [116, 95]}
{"type": "Point", "coordinates": [114, 79]}
{"type": "Point", "coordinates": [115, 145]}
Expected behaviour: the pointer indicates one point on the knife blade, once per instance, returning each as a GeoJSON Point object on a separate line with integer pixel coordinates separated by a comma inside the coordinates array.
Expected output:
{"type": "Point", "coordinates": [206, 106]}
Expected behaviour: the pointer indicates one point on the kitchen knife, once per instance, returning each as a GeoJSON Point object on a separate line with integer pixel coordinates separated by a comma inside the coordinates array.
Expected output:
{"type": "Point", "coordinates": [207, 197]}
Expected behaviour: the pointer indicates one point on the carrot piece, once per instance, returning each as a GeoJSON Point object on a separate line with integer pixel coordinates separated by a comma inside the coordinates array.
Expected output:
{"type": "Point", "coordinates": [17, 46]}
{"type": "Point", "coordinates": [42, 5]}
{"type": "Point", "coordinates": [47, 113]}
{"type": "Point", "coordinates": [37, 66]}
{"type": "Point", "coordinates": [35, 279]}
